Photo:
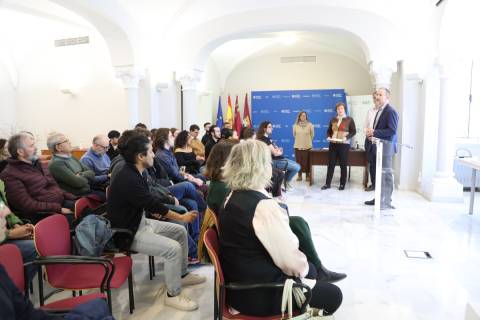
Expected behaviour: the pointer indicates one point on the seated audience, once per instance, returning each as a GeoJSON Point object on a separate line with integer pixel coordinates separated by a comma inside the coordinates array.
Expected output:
{"type": "Point", "coordinates": [206, 127]}
{"type": "Point", "coordinates": [185, 155]}
{"type": "Point", "coordinates": [129, 198]}
{"type": "Point", "coordinates": [196, 144]}
{"type": "Point", "coordinates": [4, 155]}
{"type": "Point", "coordinates": [70, 174]}
{"type": "Point", "coordinates": [113, 136]}
{"type": "Point", "coordinates": [163, 143]}
{"type": "Point", "coordinates": [214, 136]}
{"type": "Point", "coordinates": [18, 233]}
{"type": "Point", "coordinates": [279, 161]}
{"type": "Point", "coordinates": [97, 160]}
{"type": "Point", "coordinates": [250, 219]}
{"type": "Point", "coordinates": [30, 187]}
{"type": "Point", "coordinates": [175, 197]}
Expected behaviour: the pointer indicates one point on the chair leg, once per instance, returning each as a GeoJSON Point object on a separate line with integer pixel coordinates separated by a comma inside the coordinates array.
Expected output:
{"type": "Point", "coordinates": [109, 297]}
{"type": "Point", "coordinates": [220, 303]}
{"type": "Point", "coordinates": [74, 293]}
{"type": "Point", "coordinates": [40, 287]}
{"type": "Point", "coordinates": [150, 267]}
{"type": "Point", "coordinates": [153, 266]}
{"type": "Point", "coordinates": [131, 298]}
{"type": "Point", "coordinates": [80, 292]}
{"type": "Point", "coordinates": [215, 299]}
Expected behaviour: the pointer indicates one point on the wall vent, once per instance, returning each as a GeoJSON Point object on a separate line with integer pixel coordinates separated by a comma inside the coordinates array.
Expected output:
{"type": "Point", "coordinates": [298, 59]}
{"type": "Point", "coordinates": [72, 41]}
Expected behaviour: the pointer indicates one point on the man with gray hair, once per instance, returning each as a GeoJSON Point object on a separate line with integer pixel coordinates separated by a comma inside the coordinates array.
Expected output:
{"type": "Point", "coordinates": [70, 174]}
{"type": "Point", "coordinates": [30, 188]}
{"type": "Point", "coordinates": [97, 160]}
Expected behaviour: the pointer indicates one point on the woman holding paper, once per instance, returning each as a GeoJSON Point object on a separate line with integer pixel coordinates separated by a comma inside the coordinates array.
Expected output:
{"type": "Point", "coordinates": [339, 134]}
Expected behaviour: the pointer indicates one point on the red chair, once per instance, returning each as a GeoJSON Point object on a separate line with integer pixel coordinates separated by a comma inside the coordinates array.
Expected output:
{"type": "Point", "coordinates": [53, 241]}
{"type": "Point", "coordinates": [11, 259]}
{"type": "Point", "coordinates": [221, 309]}
{"type": "Point", "coordinates": [92, 202]}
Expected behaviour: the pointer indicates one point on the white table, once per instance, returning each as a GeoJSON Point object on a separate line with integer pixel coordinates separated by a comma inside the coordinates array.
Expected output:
{"type": "Point", "coordinates": [475, 165]}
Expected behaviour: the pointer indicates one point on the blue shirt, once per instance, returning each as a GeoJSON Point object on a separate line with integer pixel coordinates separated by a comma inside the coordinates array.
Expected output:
{"type": "Point", "coordinates": [168, 161]}
{"type": "Point", "coordinates": [100, 164]}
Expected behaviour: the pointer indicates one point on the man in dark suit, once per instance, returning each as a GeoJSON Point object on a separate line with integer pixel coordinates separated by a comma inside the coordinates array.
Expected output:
{"type": "Point", "coordinates": [385, 126]}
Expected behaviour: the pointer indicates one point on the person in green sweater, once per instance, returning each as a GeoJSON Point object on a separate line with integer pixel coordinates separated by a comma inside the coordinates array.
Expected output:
{"type": "Point", "coordinates": [70, 174]}
{"type": "Point", "coordinates": [218, 191]}
{"type": "Point", "coordinates": [18, 233]}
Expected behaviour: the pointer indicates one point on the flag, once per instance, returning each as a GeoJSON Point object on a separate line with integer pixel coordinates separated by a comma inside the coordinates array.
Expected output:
{"type": "Point", "coordinates": [219, 113]}
{"type": "Point", "coordinates": [237, 125]}
{"type": "Point", "coordinates": [229, 117]}
{"type": "Point", "coordinates": [247, 122]}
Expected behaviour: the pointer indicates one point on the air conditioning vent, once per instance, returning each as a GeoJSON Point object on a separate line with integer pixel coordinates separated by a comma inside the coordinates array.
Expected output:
{"type": "Point", "coordinates": [72, 41]}
{"type": "Point", "coordinates": [298, 59]}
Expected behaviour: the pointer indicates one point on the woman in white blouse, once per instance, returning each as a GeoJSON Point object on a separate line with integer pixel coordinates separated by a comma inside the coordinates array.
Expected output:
{"type": "Point", "coordinates": [256, 242]}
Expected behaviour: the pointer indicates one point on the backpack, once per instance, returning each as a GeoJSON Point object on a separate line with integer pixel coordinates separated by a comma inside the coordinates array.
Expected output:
{"type": "Point", "coordinates": [92, 235]}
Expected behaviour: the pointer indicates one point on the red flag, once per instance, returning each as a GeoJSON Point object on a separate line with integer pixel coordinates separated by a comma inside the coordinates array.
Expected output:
{"type": "Point", "coordinates": [237, 125]}
{"type": "Point", "coordinates": [247, 122]}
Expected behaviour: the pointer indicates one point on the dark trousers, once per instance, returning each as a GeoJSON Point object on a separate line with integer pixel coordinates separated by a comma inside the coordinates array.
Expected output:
{"type": "Point", "coordinates": [371, 151]}
{"type": "Point", "coordinates": [340, 151]}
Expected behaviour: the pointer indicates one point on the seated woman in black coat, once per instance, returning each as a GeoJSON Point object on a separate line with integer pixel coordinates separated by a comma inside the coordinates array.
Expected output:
{"type": "Point", "coordinates": [185, 155]}
{"type": "Point", "coordinates": [256, 242]}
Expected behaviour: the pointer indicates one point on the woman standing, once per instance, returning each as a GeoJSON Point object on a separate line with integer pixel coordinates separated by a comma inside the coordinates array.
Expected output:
{"type": "Point", "coordinates": [303, 133]}
{"type": "Point", "coordinates": [340, 132]}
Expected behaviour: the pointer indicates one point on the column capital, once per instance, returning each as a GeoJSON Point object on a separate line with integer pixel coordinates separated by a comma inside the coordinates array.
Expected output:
{"type": "Point", "coordinates": [381, 74]}
{"type": "Point", "coordinates": [190, 79]}
{"type": "Point", "coordinates": [130, 75]}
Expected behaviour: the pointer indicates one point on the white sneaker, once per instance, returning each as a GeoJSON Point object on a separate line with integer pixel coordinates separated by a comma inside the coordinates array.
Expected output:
{"type": "Point", "coordinates": [181, 302]}
{"type": "Point", "coordinates": [289, 186]}
{"type": "Point", "coordinates": [191, 279]}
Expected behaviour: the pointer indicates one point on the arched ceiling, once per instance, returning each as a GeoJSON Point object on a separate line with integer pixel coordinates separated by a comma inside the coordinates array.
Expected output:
{"type": "Point", "coordinates": [183, 34]}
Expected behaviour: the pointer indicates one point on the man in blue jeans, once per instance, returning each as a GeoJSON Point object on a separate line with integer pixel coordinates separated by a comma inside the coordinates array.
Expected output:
{"type": "Point", "coordinates": [278, 160]}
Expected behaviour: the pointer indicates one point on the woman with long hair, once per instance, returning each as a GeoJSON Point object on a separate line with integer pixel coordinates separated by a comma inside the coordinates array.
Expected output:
{"type": "Point", "coordinates": [303, 133]}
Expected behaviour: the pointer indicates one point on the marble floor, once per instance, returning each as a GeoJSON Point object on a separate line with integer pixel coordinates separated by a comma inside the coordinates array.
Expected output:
{"type": "Point", "coordinates": [382, 282]}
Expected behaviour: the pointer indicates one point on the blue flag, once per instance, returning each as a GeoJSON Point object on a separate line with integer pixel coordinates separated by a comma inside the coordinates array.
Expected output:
{"type": "Point", "coordinates": [219, 113]}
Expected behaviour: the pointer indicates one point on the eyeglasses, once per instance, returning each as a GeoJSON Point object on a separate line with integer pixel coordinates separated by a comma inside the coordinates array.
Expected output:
{"type": "Point", "coordinates": [62, 142]}
{"type": "Point", "coordinates": [103, 147]}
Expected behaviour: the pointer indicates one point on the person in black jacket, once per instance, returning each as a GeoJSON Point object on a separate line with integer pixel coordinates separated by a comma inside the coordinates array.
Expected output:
{"type": "Point", "coordinates": [129, 198]}
{"type": "Point", "coordinates": [185, 155]}
{"type": "Point", "coordinates": [112, 151]}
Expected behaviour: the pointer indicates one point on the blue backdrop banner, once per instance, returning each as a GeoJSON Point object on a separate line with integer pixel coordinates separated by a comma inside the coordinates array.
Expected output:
{"type": "Point", "coordinates": [282, 107]}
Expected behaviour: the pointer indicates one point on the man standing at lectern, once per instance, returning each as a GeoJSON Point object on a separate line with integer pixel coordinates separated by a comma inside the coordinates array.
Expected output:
{"type": "Point", "coordinates": [385, 126]}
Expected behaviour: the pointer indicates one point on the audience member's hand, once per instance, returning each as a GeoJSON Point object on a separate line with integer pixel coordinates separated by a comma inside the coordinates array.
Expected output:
{"type": "Point", "coordinates": [20, 232]}
{"type": "Point", "coordinates": [200, 158]}
{"type": "Point", "coordinates": [369, 132]}
{"type": "Point", "coordinates": [198, 182]}
{"type": "Point", "coordinates": [189, 216]}
{"type": "Point", "coordinates": [66, 211]}
{"type": "Point", "coordinates": [4, 211]}
{"type": "Point", "coordinates": [177, 203]}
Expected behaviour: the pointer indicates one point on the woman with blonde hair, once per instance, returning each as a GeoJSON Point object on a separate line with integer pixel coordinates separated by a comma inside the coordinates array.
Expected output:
{"type": "Point", "coordinates": [303, 132]}
{"type": "Point", "coordinates": [257, 244]}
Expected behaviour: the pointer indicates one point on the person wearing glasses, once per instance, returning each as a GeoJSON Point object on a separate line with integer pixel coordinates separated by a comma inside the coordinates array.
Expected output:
{"type": "Point", "coordinates": [97, 160]}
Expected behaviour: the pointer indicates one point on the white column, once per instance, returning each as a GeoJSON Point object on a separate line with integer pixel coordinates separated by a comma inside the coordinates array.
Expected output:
{"type": "Point", "coordinates": [444, 186]}
{"type": "Point", "coordinates": [189, 82]}
{"type": "Point", "coordinates": [131, 77]}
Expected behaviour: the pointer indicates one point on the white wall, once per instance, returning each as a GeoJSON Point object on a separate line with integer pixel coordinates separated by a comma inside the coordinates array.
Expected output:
{"type": "Point", "coordinates": [43, 70]}
{"type": "Point", "coordinates": [7, 103]}
{"type": "Point", "coordinates": [209, 90]}
{"type": "Point", "coordinates": [267, 73]}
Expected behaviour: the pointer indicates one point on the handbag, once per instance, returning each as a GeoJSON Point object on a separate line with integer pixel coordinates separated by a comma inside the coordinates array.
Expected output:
{"type": "Point", "coordinates": [290, 293]}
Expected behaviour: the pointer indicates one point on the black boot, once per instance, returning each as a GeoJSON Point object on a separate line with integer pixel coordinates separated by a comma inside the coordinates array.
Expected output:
{"type": "Point", "coordinates": [325, 275]}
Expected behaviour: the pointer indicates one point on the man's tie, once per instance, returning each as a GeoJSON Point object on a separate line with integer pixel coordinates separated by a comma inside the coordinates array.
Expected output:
{"type": "Point", "coordinates": [375, 119]}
